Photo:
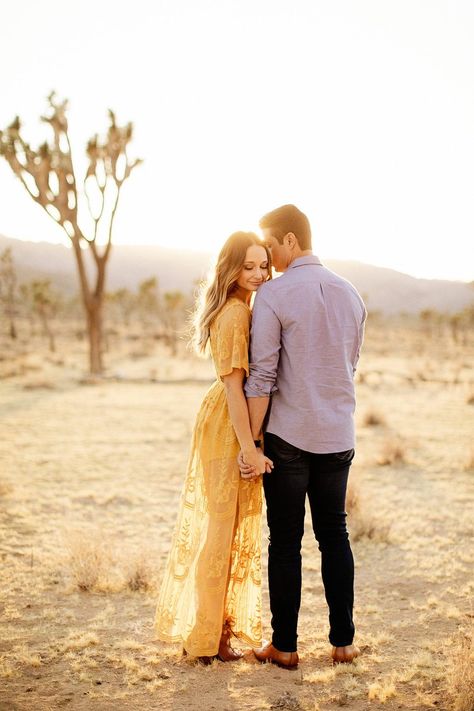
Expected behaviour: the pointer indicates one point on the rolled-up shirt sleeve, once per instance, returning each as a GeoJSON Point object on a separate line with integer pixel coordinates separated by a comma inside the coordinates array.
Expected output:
{"type": "Point", "coordinates": [265, 344]}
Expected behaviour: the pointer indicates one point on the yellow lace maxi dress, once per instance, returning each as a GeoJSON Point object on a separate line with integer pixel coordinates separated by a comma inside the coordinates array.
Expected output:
{"type": "Point", "coordinates": [213, 574]}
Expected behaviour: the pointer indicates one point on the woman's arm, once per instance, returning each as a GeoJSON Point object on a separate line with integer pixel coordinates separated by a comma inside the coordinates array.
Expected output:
{"type": "Point", "coordinates": [239, 416]}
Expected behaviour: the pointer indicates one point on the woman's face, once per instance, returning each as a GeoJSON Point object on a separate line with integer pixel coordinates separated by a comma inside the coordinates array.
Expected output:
{"type": "Point", "coordinates": [255, 269]}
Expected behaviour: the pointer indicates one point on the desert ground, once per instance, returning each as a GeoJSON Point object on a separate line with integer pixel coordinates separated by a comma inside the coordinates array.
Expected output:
{"type": "Point", "coordinates": [90, 476]}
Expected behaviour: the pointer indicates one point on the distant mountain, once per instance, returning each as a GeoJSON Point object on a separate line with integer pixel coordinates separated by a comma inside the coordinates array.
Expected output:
{"type": "Point", "coordinates": [383, 289]}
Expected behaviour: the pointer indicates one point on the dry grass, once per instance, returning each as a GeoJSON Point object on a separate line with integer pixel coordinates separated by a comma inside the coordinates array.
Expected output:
{"type": "Point", "coordinates": [286, 702]}
{"type": "Point", "coordinates": [140, 574]}
{"type": "Point", "coordinates": [97, 564]}
{"type": "Point", "coordinates": [104, 464]}
{"type": "Point", "coordinates": [382, 690]}
{"type": "Point", "coordinates": [78, 641]}
{"type": "Point", "coordinates": [6, 670]}
{"type": "Point", "coordinates": [373, 418]}
{"type": "Point", "coordinates": [362, 523]}
{"type": "Point", "coordinates": [469, 462]}
{"type": "Point", "coordinates": [460, 674]}
{"type": "Point", "coordinates": [5, 488]}
{"type": "Point", "coordinates": [392, 452]}
{"type": "Point", "coordinates": [39, 384]}
{"type": "Point", "coordinates": [90, 558]}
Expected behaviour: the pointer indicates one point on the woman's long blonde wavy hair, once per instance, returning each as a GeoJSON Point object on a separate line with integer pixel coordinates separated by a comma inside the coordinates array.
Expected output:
{"type": "Point", "coordinates": [221, 283]}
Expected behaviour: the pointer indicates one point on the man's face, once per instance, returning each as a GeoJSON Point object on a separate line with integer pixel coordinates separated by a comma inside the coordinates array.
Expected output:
{"type": "Point", "coordinates": [279, 252]}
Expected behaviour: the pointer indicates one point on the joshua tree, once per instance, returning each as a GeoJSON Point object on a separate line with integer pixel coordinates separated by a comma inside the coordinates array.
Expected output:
{"type": "Point", "coordinates": [148, 301]}
{"type": "Point", "coordinates": [8, 288]}
{"type": "Point", "coordinates": [44, 303]}
{"type": "Point", "coordinates": [122, 303]}
{"type": "Point", "coordinates": [48, 176]}
{"type": "Point", "coordinates": [174, 305]}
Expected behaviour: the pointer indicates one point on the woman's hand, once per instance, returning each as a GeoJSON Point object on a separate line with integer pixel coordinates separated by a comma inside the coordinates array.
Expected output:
{"type": "Point", "coordinates": [251, 468]}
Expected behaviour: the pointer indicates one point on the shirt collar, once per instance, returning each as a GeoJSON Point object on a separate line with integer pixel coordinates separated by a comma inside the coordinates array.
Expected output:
{"type": "Point", "coordinates": [303, 261]}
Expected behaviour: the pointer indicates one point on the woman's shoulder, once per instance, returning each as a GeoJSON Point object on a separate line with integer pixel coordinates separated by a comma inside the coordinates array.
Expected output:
{"type": "Point", "coordinates": [234, 310]}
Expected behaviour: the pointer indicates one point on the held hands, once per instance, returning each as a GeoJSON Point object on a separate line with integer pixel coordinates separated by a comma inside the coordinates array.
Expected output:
{"type": "Point", "coordinates": [252, 465]}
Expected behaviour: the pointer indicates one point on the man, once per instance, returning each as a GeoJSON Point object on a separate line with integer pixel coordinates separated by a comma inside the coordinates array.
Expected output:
{"type": "Point", "coordinates": [307, 331]}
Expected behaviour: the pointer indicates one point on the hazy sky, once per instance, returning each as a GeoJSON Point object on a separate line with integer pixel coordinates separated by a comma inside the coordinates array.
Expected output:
{"type": "Point", "coordinates": [359, 111]}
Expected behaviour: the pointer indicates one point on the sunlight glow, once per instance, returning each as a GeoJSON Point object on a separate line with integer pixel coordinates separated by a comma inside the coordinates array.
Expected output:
{"type": "Point", "coordinates": [361, 113]}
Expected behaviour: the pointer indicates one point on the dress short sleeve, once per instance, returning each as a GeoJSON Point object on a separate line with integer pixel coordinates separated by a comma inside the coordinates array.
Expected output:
{"type": "Point", "coordinates": [231, 342]}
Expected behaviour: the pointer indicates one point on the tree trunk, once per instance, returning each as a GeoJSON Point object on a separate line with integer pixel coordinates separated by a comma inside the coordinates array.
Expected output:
{"type": "Point", "coordinates": [48, 332]}
{"type": "Point", "coordinates": [13, 333]}
{"type": "Point", "coordinates": [94, 329]}
{"type": "Point", "coordinates": [93, 305]}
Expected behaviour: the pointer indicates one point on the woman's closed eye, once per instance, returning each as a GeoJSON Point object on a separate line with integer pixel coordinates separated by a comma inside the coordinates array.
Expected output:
{"type": "Point", "coordinates": [249, 267]}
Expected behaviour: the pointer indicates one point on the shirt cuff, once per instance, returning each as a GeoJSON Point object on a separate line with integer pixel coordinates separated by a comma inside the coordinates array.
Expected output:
{"type": "Point", "coordinates": [255, 388]}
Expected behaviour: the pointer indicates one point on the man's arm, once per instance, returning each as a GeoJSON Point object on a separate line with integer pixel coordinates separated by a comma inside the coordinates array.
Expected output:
{"type": "Point", "coordinates": [360, 340]}
{"type": "Point", "coordinates": [265, 344]}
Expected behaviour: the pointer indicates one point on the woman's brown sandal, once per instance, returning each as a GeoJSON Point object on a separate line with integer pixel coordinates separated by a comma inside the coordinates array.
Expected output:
{"type": "Point", "coordinates": [226, 653]}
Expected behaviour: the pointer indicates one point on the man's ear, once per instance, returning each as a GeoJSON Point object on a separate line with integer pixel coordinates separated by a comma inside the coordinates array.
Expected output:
{"type": "Point", "coordinates": [291, 240]}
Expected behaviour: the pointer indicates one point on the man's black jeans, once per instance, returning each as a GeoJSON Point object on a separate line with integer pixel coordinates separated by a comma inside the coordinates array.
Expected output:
{"type": "Point", "coordinates": [324, 478]}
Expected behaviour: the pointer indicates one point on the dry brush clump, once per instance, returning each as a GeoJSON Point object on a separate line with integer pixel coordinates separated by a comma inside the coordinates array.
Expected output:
{"type": "Point", "coordinates": [460, 673]}
{"type": "Point", "coordinates": [90, 558]}
{"type": "Point", "coordinates": [469, 463]}
{"type": "Point", "coordinates": [382, 690]}
{"type": "Point", "coordinates": [139, 573]}
{"type": "Point", "coordinates": [5, 488]}
{"type": "Point", "coordinates": [373, 418]}
{"type": "Point", "coordinates": [97, 565]}
{"type": "Point", "coordinates": [286, 702]}
{"type": "Point", "coordinates": [41, 384]}
{"type": "Point", "coordinates": [392, 452]}
{"type": "Point", "coordinates": [362, 523]}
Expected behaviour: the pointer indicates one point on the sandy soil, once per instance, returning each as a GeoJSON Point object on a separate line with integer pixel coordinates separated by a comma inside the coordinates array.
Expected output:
{"type": "Point", "coordinates": [90, 474]}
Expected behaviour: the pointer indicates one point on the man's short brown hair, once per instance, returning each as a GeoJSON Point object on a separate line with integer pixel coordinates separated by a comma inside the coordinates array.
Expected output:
{"type": "Point", "coordinates": [288, 218]}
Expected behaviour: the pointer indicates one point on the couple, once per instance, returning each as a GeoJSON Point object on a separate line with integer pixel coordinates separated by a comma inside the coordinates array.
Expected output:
{"type": "Point", "coordinates": [306, 333]}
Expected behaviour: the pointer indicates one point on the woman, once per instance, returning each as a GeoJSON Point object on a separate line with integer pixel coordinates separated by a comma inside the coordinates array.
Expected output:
{"type": "Point", "coordinates": [212, 582]}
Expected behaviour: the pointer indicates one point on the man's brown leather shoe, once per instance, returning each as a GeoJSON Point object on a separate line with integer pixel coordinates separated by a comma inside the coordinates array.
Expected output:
{"type": "Point", "coordinates": [269, 653]}
{"type": "Point", "coordinates": [344, 655]}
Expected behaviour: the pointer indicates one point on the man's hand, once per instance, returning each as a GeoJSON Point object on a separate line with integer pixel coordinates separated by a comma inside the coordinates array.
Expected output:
{"type": "Point", "coordinates": [248, 471]}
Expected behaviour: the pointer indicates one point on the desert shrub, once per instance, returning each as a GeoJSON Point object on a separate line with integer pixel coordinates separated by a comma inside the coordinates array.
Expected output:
{"type": "Point", "coordinates": [382, 690]}
{"type": "Point", "coordinates": [88, 559]}
{"type": "Point", "coordinates": [40, 384]}
{"type": "Point", "coordinates": [97, 564]}
{"type": "Point", "coordinates": [362, 523]}
{"type": "Point", "coordinates": [392, 452]}
{"type": "Point", "coordinates": [5, 488]}
{"type": "Point", "coordinates": [139, 574]}
{"type": "Point", "coordinates": [286, 702]}
{"type": "Point", "coordinates": [469, 463]}
{"type": "Point", "coordinates": [460, 673]}
{"type": "Point", "coordinates": [373, 418]}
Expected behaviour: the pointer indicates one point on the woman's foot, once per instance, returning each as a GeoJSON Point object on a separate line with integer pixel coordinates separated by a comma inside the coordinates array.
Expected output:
{"type": "Point", "coordinates": [226, 653]}
{"type": "Point", "coordinates": [344, 655]}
